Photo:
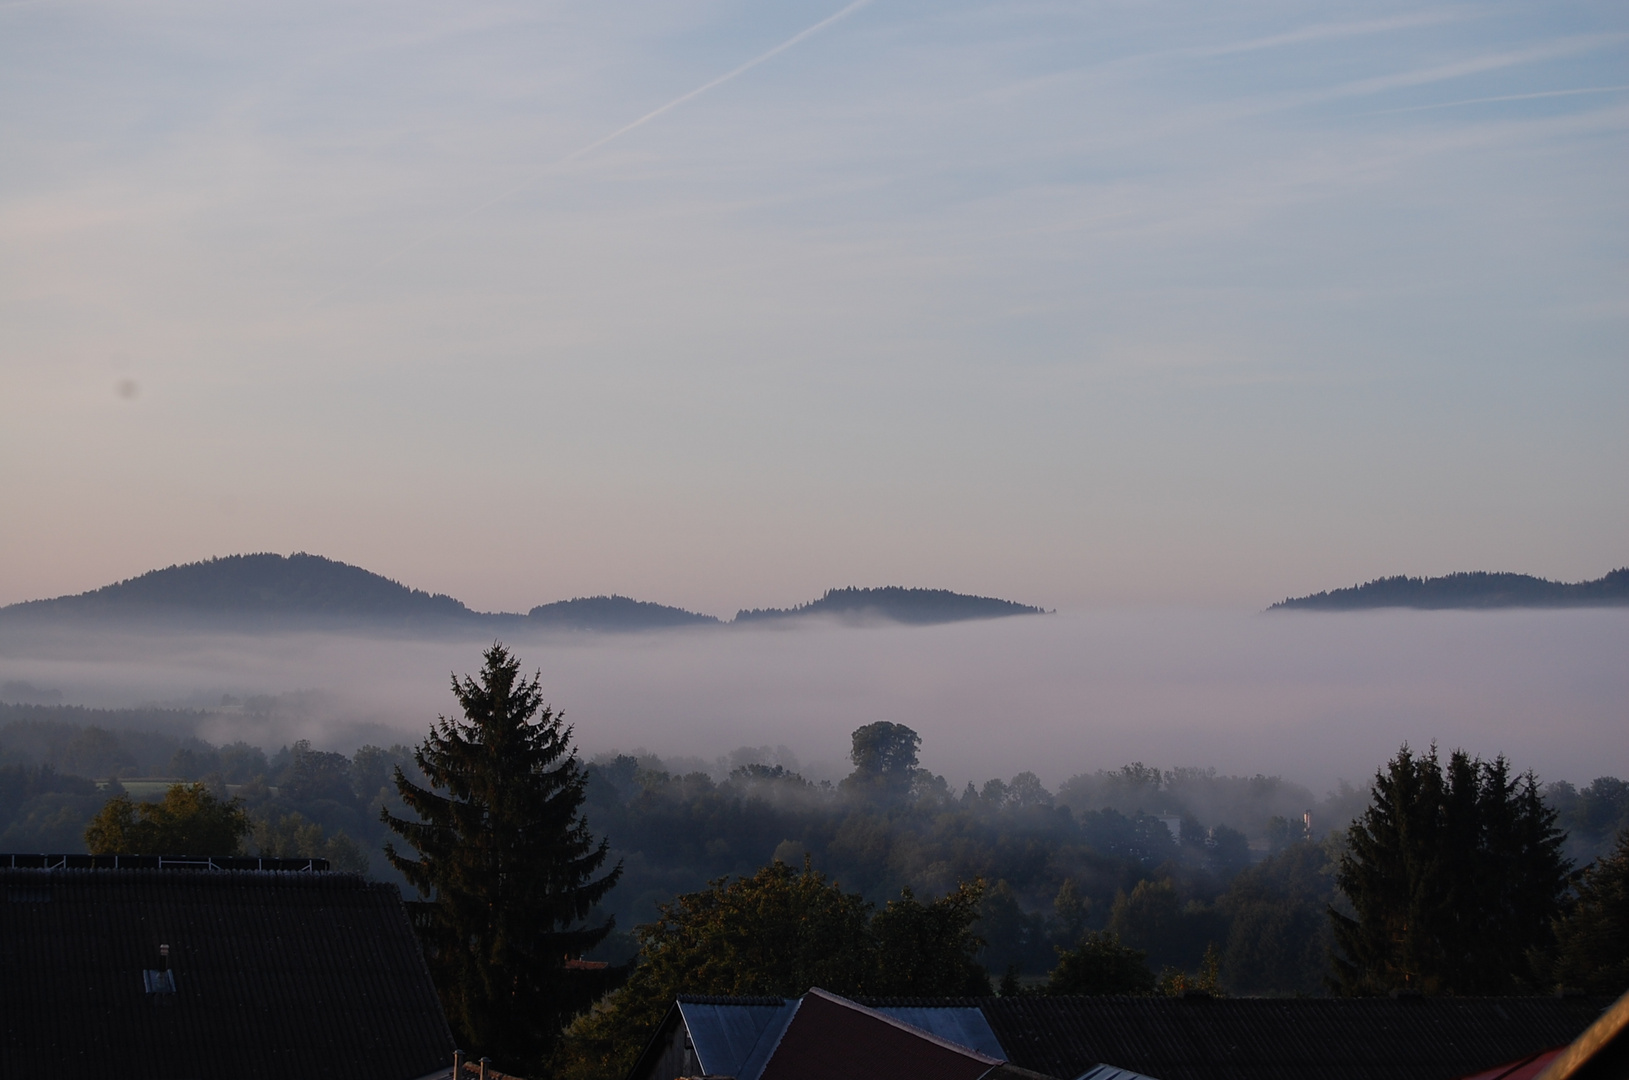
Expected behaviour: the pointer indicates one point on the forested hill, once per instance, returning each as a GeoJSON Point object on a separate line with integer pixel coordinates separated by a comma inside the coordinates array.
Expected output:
{"type": "Point", "coordinates": [269, 590]}
{"type": "Point", "coordinates": [1468, 590]}
{"type": "Point", "coordinates": [917, 606]}
{"type": "Point", "coordinates": [258, 587]}
{"type": "Point", "coordinates": [614, 613]}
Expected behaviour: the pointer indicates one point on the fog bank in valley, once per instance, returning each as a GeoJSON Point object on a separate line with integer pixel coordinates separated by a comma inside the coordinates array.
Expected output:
{"type": "Point", "coordinates": [1311, 697]}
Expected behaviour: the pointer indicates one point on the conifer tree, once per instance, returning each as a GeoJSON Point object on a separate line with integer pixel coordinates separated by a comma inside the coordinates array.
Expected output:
{"type": "Point", "coordinates": [507, 861]}
{"type": "Point", "coordinates": [1592, 938]}
{"type": "Point", "coordinates": [1454, 876]}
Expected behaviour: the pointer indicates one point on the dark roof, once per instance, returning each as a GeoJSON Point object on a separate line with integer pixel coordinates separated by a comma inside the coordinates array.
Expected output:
{"type": "Point", "coordinates": [276, 975]}
{"type": "Point", "coordinates": [1424, 1038]}
{"type": "Point", "coordinates": [829, 1036]}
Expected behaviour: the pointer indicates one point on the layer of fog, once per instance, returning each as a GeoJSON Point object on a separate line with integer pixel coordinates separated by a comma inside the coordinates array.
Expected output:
{"type": "Point", "coordinates": [1311, 697]}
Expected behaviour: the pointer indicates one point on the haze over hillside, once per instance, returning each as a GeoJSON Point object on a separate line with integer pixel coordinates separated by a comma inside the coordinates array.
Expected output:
{"type": "Point", "coordinates": [266, 589]}
{"type": "Point", "coordinates": [1468, 590]}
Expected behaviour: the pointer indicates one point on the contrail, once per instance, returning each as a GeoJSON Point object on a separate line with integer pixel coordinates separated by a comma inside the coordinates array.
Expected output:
{"type": "Point", "coordinates": [597, 143]}
{"type": "Point", "coordinates": [1503, 97]}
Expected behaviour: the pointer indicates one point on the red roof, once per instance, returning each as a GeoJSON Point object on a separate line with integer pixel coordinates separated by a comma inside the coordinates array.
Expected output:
{"type": "Point", "coordinates": [830, 1037]}
{"type": "Point", "coordinates": [1527, 1068]}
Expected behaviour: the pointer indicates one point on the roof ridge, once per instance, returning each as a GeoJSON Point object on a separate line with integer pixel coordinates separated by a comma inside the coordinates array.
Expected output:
{"type": "Point", "coordinates": [922, 1033]}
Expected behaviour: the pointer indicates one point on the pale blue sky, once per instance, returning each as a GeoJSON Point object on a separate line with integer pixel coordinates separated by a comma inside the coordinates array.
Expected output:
{"type": "Point", "coordinates": [1073, 303]}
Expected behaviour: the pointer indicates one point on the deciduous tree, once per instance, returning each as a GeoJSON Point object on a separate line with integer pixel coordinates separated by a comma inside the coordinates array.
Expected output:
{"type": "Point", "coordinates": [778, 933]}
{"type": "Point", "coordinates": [190, 820]}
{"type": "Point", "coordinates": [1100, 964]}
{"type": "Point", "coordinates": [884, 756]}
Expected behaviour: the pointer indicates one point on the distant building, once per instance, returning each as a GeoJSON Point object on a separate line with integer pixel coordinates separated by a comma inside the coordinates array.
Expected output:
{"type": "Point", "coordinates": [162, 971]}
{"type": "Point", "coordinates": [1106, 1038]}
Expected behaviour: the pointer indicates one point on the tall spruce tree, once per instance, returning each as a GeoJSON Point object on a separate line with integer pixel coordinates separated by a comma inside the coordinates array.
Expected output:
{"type": "Point", "coordinates": [507, 861]}
{"type": "Point", "coordinates": [1454, 876]}
{"type": "Point", "coordinates": [1592, 937]}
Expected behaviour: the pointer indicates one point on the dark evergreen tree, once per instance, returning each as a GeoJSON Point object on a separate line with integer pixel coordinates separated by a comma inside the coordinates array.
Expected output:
{"type": "Point", "coordinates": [507, 861]}
{"type": "Point", "coordinates": [1592, 938]}
{"type": "Point", "coordinates": [1454, 877]}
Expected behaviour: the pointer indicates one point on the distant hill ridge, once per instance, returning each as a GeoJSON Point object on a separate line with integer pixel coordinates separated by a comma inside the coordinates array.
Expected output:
{"type": "Point", "coordinates": [900, 605]}
{"type": "Point", "coordinates": [266, 588]}
{"type": "Point", "coordinates": [1473, 590]}
{"type": "Point", "coordinates": [614, 613]}
{"type": "Point", "coordinates": [262, 583]}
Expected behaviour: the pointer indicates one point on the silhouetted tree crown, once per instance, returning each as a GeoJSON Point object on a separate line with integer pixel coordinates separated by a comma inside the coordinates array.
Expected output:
{"type": "Point", "coordinates": [1592, 938]}
{"type": "Point", "coordinates": [189, 821]}
{"type": "Point", "coordinates": [1454, 876]}
{"type": "Point", "coordinates": [508, 861]}
{"type": "Point", "coordinates": [884, 757]}
{"type": "Point", "coordinates": [1100, 965]}
{"type": "Point", "coordinates": [779, 932]}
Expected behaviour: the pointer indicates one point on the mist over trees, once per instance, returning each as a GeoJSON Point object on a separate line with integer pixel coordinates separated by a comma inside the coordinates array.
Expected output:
{"type": "Point", "coordinates": [1166, 863]}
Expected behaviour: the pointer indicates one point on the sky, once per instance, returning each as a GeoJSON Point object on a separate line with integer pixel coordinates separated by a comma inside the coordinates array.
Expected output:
{"type": "Point", "coordinates": [1083, 305]}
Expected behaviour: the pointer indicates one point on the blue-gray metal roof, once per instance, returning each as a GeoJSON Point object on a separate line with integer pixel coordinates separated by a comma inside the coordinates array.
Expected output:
{"type": "Point", "coordinates": [963, 1026]}
{"type": "Point", "coordinates": [1109, 1072]}
{"type": "Point", "coordinates": [725, 1036]}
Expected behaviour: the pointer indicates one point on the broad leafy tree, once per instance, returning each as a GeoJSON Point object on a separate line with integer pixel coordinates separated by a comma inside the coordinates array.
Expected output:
{"type": "Point", "coordinates": [884, 756]}
{"type": "Point", "coordinates": [929, 950]}
{"type": "Point", "coordinates": [1454, 875]}
{"type": "Point", "coordinates": [1278, 936]}
{"type": "Point", "coordinates": [190, 820]}
{"type": "Point", "coordinates": [778, 933]}
{"type": "Point", "coordinates": [507, 861]}
{"type": "Point", "coordinates": [1100, 964]}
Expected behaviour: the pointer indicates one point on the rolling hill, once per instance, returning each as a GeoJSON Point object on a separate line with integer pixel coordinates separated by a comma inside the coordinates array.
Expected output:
{"type": "Point", "coordinates": [914, 606]}
{"type": "Point", "coordinates": [268, 590]}
{"type": "Point", "coordinates": [257, 588]}
{"type": "Point", "coordinates": [614, 613]}
{"type": "Point", "coordinates": [1468, 591]}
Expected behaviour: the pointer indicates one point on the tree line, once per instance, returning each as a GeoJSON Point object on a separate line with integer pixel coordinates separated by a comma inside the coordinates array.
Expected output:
{"type": "Point", "coordinates": [1456, 876]}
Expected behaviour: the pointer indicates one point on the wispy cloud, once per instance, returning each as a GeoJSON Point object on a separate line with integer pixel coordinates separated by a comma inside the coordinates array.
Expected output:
{"type": "Point", "coordinates": [1322, 32]}
{"type": "Point", "coordinates": [1474, 65]}
{"type": "Point", "coordinates": [1539, 95]}
{"type": "Point", "coordinates": [605, 140]}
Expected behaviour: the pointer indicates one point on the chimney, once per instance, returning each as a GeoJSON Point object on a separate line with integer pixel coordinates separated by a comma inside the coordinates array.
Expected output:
{"type": "Point", "coordinates": [160, 982]}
